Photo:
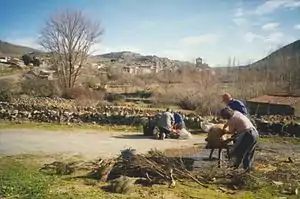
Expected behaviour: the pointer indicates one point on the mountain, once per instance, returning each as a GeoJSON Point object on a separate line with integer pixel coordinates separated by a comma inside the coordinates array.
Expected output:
{"type": "Point", "coordinates": [9, 49]}
{"type": "Point", "coordinates": [283, 58]}
{"type": "Point", "coordinates": [135, 59]}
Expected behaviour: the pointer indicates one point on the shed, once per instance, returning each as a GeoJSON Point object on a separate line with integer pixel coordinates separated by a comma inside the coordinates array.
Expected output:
{"type": "Point", "coordinates": [274, 105]}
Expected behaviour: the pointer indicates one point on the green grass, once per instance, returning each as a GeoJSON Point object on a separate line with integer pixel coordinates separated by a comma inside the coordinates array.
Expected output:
{"type": "Point", "coordinates": [280, 140]}
{"type": "Point", "coordinates": [20, 178]}
{"type": "Point", "coordinates": [58, 127]}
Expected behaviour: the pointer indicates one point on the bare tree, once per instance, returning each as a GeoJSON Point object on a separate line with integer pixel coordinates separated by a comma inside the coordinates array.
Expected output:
{"type": "Point", "coordinates": [68, 37]}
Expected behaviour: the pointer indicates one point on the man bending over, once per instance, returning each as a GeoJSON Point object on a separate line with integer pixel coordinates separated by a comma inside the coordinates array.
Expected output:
{"type": "Point", "coordinates": [246, 137]}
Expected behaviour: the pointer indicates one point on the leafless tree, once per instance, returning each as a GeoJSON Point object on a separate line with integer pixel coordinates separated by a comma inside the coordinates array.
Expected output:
{"type": "Point", "coordinates": [68, 37]}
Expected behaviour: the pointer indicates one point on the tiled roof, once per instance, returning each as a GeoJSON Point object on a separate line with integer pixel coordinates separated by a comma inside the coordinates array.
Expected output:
{"type": "Point", "coordinates": [270, 99]}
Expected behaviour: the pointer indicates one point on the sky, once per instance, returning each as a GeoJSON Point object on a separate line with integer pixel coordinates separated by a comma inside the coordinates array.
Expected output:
{"type": "Point", "coordinates": [215, 30]}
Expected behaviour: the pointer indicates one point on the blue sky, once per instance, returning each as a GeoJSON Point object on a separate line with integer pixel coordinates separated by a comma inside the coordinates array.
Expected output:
{"type": "Point", "coordinates": [178, 29]}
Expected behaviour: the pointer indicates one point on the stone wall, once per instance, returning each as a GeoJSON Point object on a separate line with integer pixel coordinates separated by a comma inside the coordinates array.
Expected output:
{"type": "Point", "coordinates": [60, 113]}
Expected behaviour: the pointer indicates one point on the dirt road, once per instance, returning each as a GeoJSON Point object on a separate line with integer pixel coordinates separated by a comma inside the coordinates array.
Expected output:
{"type": "Point", "coordinates": [89, 144]}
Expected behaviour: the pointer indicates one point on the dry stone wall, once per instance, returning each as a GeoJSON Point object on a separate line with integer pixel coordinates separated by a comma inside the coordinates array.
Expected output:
{"type": "Point", "coordinates": [65, 111]}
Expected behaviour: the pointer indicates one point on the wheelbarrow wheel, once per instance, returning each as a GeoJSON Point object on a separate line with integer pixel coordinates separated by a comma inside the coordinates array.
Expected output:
{"type": "Point", "coordinates": [156, 133]}
{"type": "Point", "coordinates": [162, 136]}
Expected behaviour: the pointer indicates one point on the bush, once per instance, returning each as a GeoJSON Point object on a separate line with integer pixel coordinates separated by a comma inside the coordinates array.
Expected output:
{"type": "Point", "coordinates": [210, 104]}
{"type": "Point", "coordinates": [40, 88]}
{"type": "Point", "coordinates": [6, 90]}
{"type": "Point", "coordinates": [143, 94]}
{"type": "Point", "coordinates": [27, 59]}
{"type": "Point", "coordinates": [188, 103]}
{"type": "Point", "coordinates": [111, 97]}
{"type": "Point", "coordinates": [82, 93]}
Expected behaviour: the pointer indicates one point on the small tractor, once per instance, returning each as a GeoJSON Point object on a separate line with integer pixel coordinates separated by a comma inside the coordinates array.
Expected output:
{"type": "Point", "coordinates": [150, 127]}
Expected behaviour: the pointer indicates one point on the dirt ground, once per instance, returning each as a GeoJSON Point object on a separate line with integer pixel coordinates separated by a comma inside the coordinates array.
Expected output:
{"type": "Point", "coordinates": [86, 143]}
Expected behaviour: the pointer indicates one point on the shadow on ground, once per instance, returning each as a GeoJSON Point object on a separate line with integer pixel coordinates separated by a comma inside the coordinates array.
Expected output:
{"type": "Point", "coordinates": [133, 136]}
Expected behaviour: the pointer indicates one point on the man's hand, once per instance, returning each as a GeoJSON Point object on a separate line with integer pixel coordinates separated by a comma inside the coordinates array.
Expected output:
{"type": "Point", "coordinates": [229, 140]}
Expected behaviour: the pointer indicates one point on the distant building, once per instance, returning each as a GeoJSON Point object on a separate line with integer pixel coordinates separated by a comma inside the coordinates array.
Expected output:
{"type": "Point", "coordinates": [274, 105]}
{"type": "Point", "coordinates": [144, 70]}
{"type": "Point", "coordinates": [128, 69]}
{"type": "Point", "coordinates": [199, 62]}
{"type": "Point", "coordinates": [138, 70]}
{"type": "Point", "coordinates": [98, 66]}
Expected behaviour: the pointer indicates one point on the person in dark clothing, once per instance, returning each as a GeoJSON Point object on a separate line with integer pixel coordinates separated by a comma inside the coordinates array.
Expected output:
{"type": "Point", "coordinates": [234, 104]}
{"type": "Point", "coordinates": [165, 124]}
{"type": "Point", "coordinates": [246, 137]}
{"type": "Point", "coordinates": [178, 121]}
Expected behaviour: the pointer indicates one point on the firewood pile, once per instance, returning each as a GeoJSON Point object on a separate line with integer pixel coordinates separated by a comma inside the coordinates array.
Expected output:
{"type": "Point", "coordinates": [149, 169]}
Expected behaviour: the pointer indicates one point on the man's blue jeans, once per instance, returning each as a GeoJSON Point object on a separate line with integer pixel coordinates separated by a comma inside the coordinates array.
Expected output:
{"type": "Point", "coordinates": [245, 148]}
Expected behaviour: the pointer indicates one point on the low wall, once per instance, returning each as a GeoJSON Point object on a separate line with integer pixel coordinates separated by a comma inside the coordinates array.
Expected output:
{"type": "Point", "coordinates": [97, 115]}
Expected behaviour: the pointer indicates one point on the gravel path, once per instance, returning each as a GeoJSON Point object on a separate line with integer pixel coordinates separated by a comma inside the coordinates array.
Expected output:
{"type": "Point", "coordinates": [89, 144]}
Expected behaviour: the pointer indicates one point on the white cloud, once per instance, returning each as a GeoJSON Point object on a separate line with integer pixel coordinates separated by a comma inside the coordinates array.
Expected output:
{"type": "Point", "coordinates": [293, 4]}
{"type": "Point", "coordinates": [251, 37]}
{"type": "Point", "coordinates": [178, 54]}
{"type": "Point", "coordinates": [278, 39]}
{"type": "Point", "coordinates": [26, 41]}
{"type": "Point", "coordinates": [270, 6]}
{"type": "Point", "coordinates": [240, 21]}
{"type": "Point", "coordinates": [275, 38]}
{"type": "Point", "coordinates": [100, 48]}
{"type": "Point", "coordinates": [200, 39]}
{"type": "Point", "coordinates": [270, 26]}
{"type": "Point", "coordinates": [297, 26]}
{"type": "Point", "coordinates": [239, 12]}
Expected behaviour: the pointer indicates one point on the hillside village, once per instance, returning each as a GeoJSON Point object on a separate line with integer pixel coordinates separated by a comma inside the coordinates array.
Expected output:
{"type": "Point", "coordinates": [122, 62]}
{"type": "Point", "coordinates": [137, 64]}
{"type": "Point", "coordinates": [130, 63]}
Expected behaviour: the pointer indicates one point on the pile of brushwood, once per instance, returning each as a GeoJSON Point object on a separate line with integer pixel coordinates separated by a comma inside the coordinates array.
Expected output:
{"type": "Point", "coordinates": [279, 176]}
{"type": "Point", "coordinates": [131, 168]}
